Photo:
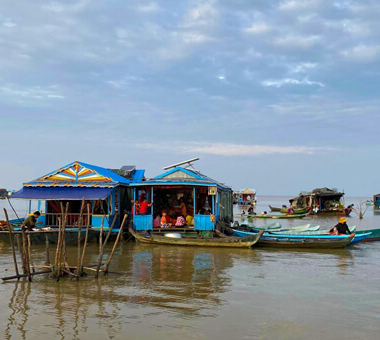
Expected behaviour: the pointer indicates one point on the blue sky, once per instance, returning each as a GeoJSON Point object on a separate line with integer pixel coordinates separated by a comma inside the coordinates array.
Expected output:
{"type": "Point", "coordinates": [281, 96]}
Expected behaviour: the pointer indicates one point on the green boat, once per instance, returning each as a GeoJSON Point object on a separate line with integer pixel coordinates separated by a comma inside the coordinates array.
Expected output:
{"type": "Point", "coordinates": [279, 216]}
{"type": "Point", "coordinates": [285, 210]}
{"type": "Point", "coordinates": [178, 239]}
{"type": "Point", "coordinates": [374, 236]}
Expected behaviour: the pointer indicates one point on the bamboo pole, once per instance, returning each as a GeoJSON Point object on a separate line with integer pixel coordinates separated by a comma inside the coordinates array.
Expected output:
{"type": "Point", "coordinates": [80, 269]}
{"type": "Point", "coordinates": [110, 230]}
{"type": "Point", "coordinates": [12, 244]}
{"type": "Point", "coordinates": [47, 249]}
{"type": "Point", "coordinates": [100, 248]}
{"type": "Point", "coordinates": [60, 246]}
{"type": "Point", "coordinates": [30, 254]}
{"type": "Point", "coordinates": [26, 253]}
{"type": "Point", "coordinates": [25, 275]}
{"type": "Point", "coordinates": [79, 236]}
{"type": "Point", "coordinates": [115, 244]}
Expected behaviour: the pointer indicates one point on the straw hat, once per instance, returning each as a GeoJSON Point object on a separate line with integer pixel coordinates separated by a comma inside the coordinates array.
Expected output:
{"type": "Point", "coordinates": [342, 220]}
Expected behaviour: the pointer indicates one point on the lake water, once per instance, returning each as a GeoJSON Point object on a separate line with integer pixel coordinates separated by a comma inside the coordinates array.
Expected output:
{"type": "Point", "coordinates": [165, 292]}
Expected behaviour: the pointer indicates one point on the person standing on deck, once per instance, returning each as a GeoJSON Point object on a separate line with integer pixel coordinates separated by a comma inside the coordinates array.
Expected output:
{"type": "Point", "coordinates": [341, 227]}
{"type": "Point", "coordinates": [183, 207]}
{"type": "Point", "coordinates": [31, 221]}
{"type": "Point", "coordinates": [143, 207]}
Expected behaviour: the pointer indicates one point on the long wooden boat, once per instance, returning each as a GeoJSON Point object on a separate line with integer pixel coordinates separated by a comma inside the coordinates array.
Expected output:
{"type": "Point", "coordinates": [279, 216]}
{"type": "Point", "coordinates": [300, 241]}
{"type": "Point", "coordinates": [296, 230]}
{"type": "Point", "coordinates": [310, 232]}
{"type": "Point", "coordinates": [39, 237]}
{"type": "Point", "coordinates": [374, 236]}
{"type": "Point", "coordinates": [285, 210]}
{"type": "Point", "coordinates": [221, 241]}
{"type": "Point", "coordinates": [271, 226]}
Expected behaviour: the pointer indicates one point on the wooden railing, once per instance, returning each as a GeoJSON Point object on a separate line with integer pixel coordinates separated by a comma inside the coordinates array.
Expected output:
{"type": "Point", "coordinates": [72, 219]}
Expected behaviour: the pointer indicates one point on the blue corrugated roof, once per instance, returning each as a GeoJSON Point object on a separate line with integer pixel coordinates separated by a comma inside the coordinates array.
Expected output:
{"type": "Point", "coordinates": [116, 179]}
{"type": "Point", "coordinates": [197, 178]}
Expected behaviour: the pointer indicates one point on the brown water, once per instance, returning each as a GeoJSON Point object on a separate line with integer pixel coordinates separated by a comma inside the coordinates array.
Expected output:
{"type": "Point", "coordinates": [168, 292]}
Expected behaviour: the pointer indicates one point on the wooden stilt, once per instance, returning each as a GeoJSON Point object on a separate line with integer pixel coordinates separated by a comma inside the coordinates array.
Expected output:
{"type": "Point", "coordinates": [12, 244]}
{"type": "Point", "coordinates": [30, 254]}
{"type": "Point", "coordinates": [100, 248]}
{"type": "Point", "coordinates": [80, 269]}
{"type": "Point", "coordinates": [47, 249]}
{"type": "Point", "coordinates": [80, 222]}
{"type": "Point", "coordinates": [115, 244]}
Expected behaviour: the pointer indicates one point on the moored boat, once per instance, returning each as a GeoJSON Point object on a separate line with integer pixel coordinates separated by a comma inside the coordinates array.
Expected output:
{"type": "Point", "coordinates": [300, 241]}
{"type": "Point", "coordinates": [279, 216]}
{"type": "Point", "coordinates": [219, 241]}
{"type": "Point", "coordinates": [284, 210]}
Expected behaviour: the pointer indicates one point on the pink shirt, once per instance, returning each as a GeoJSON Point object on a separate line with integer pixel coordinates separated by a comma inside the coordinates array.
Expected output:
{"type": "Point", "coordinates": [180, 221]}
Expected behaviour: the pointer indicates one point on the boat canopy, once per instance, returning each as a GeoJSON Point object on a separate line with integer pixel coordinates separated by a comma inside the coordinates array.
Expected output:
{"type": "Point", "coordinates": [59, 193]}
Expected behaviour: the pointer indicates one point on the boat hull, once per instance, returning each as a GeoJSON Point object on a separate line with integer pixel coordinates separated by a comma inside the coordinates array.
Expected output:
{"type": "Point", "coordinates": [300, 241]}
{"type": "Point", "coordinates": [225, 241]}
{"type": "Point", "coordinates": [278, 216]}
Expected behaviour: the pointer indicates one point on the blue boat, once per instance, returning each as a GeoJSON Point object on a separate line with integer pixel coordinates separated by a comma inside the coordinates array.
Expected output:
{"type": "Point", "coordinates": [305, 241]}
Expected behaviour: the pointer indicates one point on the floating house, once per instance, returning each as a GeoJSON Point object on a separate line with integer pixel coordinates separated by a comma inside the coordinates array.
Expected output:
{"type": "Point", "coordinates": [205, 199]}
{"type": "Point", "coordinates": [327, 200]}
{"type": "Point", "coordinates": [376, 201]}
{"type": "Point", "coordinates": [246, 197]}
{"type": "Point", "coordinates": [107, 191]}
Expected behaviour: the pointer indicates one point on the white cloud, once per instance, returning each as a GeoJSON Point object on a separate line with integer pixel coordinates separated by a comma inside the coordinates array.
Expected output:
{"type": "Point", "coordinates": [298, 41]}
{"type": "Point", "coordinates": [289, 81]}
{"type": "Point", "coordinates": [9, 24]}
{"type": "Point", "coordinates": [301, 67]}
{"type": "Point", "coordinates": [203, 14]}
{"type": "Point", "coordinates": [36, 92]}
{"type": "Point", "coordinates": [229, 149]}
{"type": "Point", "coordinates": [362, 53]}
{"type": "Point", "coordinates": [151, 7]}
{"type": "Point", "coordinates": [294, 5]}
{"type": "Point", "coordinates": [257, 29]}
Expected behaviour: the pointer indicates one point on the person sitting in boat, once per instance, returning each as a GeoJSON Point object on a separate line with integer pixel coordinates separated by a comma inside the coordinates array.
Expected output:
{"type": "Point", "coordinates": [157, 221]}
{"type": "Point", "coordinates": [291, 210]}
{"type": "Point", "coordinates": [348, 210]}
{"type": "Point", "coordinates": [263, 213]}
{"type": "Point", "coordinates": [189, 220]}
{"type": "Point", "coordinates": [31, 221]}
{"type": "Point", "coordinates": [180, 221]}
{"type": "Point", "coordinates": [250, 209]}
{"type": "Point", "coordinates": [164, 223]}
{"type": "Point", "coordinates": [341, 227]}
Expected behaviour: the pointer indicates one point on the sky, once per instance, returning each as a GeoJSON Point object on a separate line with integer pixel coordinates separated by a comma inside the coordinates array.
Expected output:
{"type": "Point", "coordinates": [280, 96]}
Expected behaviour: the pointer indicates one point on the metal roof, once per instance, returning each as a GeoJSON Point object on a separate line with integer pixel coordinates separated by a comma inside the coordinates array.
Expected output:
{"type": "Point", "coordinates": [181, 176]}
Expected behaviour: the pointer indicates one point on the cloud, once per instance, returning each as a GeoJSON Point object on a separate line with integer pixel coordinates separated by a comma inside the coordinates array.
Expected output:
{"type": "Point", "coordinates": [257, 29]}
{"type": "Point", "coordinates": [229, 149]}
{"type": "Point", "coordinates": [151, 7]}
{"type": "Point", "coordinates": [294, 5]}
{"type": "Point", "coordinates": [362, 53]}
{"type": "Point", "coordinates": [36, 92]}
{"type": "Point", "coordinates": [289, 81]}
{"type": "Point", "coordinates": [298, 41]}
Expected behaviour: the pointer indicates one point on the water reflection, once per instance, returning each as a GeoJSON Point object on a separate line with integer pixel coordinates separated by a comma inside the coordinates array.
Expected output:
{"type": "Point", "coordinates": [183, 280]}
{"type": "Point", "coordinates": [186, 282]}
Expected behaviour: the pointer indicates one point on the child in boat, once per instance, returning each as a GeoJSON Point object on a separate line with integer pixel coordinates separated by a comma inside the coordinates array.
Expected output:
{"type": "Point", "coordinates": [180, 221]}
{"type": "Point", "coordinates": [189, 220]}
{"type": "Point", "coordinates": [164, 223]}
